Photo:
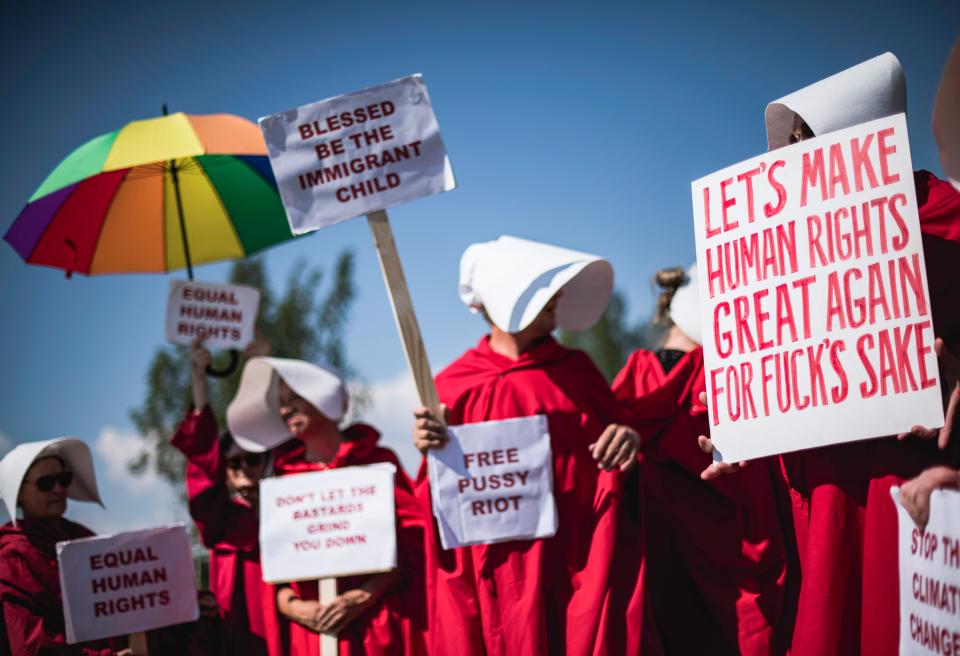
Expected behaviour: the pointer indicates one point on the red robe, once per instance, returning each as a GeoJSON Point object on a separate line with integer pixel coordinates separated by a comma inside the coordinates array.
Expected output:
{"type": "Point", "coordinates": [716, 550]}
{"type": "Point", "coordinates": [579, 592]}
{"type": "Point", "coordinates": [394, 625]}
{"type": "Point", "coordinates": [229, 528]}
{"type": "Point", "coordinates": [30, 589]}
{"type": "Point", "coordinates": [845, 520]}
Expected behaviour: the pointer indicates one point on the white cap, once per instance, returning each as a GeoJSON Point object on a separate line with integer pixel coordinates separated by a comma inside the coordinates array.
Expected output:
{"type": "Point", "coordinates": [946, 117]}
{"type": "Point", "coordinates": [512, 279]}
{"type": "Point", "coordinates": [75, 455]}
{"type": "Point", "coordinates": [868, 91]}
{"type": "Point", "coordinates": [254, 414]}
{"type": "Point", "coordinates": [685, 307]}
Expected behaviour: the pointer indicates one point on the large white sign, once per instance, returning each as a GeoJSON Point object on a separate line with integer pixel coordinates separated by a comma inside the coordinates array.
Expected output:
{"type": "Point", "coordinates": [814, 300]}
{"type": "Point", "coordinates": [343, 157]}
{"type": "Point", "coordinates": [119, 584]}
{"type": "Point", "coordinates": [329, 523]}
{"type": "Point", "coordinates": [493, 482]}
{"type": "Point", "coordinates": [223, 315]}
{"type": "Point", "coordinates": [930, 577]}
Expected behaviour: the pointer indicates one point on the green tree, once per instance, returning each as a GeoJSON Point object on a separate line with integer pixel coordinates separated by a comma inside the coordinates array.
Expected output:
{"type": "Point", "coordinates": [305, 321]}
{"type": "Point", "coordinates": [612, 338]}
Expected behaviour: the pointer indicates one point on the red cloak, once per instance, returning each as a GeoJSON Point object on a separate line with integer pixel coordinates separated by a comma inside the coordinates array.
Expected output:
{"type": "Point", "coordinates": [229, 528]}
{"type": "Point", "coordinates": [845, 520]}
{"type": "Point", "coordinates": [716, 550]}
{"type": "Point", "coordinates": [579, 592]}
{"type": "Point", "coordinates": [394, 625]}
{"type": "Point", "coordinates": [30, 589]}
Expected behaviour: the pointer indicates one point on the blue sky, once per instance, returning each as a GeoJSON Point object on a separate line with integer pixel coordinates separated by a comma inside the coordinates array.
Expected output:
{"type": "Point", "coordinates": [576, 123]}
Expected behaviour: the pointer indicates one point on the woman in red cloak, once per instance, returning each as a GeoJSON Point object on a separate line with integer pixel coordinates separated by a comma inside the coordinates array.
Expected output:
{"type": "Point", "coordinates": [844, 517]}
{"type": "Point", "coordinates": [373, 614]}
{"type": "Point", "coordinates": [715, 550]}
{"type": "Point", "coordinates": [37, 478]}
{"type": "Point", "coordinates": [580, 591]}
{"type": "Point", "coordinates": [222, 478]}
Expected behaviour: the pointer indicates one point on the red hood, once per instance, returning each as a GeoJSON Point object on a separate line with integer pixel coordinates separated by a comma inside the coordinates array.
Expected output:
{"type": "Point", "coordinates": [359, 443]}
{"type": "Point", "coordinates": [939, 209]}
{"type": "Point", "coordinates": [41, 534]}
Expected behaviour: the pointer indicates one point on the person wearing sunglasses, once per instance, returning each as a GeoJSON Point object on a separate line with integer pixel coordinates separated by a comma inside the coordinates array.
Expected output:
{"type": "Point", "coordinates": [222, 478]}
{"type": "Point", "coordinates": [372, 614]}
{"type": "Point", "coordinates": [36, 479]}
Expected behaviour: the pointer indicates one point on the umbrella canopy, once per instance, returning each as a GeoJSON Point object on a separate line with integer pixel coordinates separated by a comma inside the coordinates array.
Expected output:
{"type": "Point", "coordinates": [129, 200]}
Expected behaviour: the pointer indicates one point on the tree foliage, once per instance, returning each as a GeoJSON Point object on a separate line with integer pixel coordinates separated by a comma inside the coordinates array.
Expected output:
{"type": "Point", "coordinates": [306, 320]}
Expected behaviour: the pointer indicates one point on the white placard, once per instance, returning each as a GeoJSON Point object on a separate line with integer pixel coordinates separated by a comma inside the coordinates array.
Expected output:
{"type": "Point", "coordinates": [119, 584]}
{"type": "Point", "coordinates": [343, 157]}
{"type": "Point", "coordinates": [493, 482]}
{"type": "Point", "coordinates": [224, 315]}
{"type": "Point", "coordinates": [930, 577]}
{"type": "Point", "coordinates": [814, 300]}
{"type": "Point", "coordinates": [328, 523]}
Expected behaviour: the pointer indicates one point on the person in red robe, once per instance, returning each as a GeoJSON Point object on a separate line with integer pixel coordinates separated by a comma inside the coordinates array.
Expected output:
{"type": "Point", "coordinates": [37, 478]}
{"type": "Point", "coordinates": [844, 517]}
{"type": "Point", "coordinates": [717, 550]}
{"type": "Point", "coordinates": [222, 481]}
{"type": "Point", "coordinates": [372, 614]}
{"type": "Point", "coordinates": [580, 591]}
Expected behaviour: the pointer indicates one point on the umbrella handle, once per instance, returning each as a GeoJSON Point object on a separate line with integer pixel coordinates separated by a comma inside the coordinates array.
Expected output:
{"type": "Point", "coordinates": [229, 369]}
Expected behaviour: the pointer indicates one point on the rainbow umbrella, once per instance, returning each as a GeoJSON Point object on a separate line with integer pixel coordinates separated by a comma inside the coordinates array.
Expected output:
{"type": "Point", "coordinates": [155, 196]}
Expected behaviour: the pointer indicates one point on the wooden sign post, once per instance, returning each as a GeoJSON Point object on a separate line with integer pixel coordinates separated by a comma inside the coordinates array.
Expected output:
{"type": "Point", "coordinates": [329, 645]}
{"type": "Point", "coordinates": [138, 644]}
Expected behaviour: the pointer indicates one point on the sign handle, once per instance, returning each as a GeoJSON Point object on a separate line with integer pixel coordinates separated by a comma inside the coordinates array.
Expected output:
{"type": "Point", "coordinates": [138, 644]}
{"type": "Point", "coordinates": [329, 645]}
{"type": "Point", "coordinates": [403, 312]}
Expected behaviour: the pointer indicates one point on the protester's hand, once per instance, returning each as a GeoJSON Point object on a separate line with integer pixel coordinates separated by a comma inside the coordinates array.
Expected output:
{"type": "Point", "coordinates": [716, 468]}
{"type": "Point", "coordinates": [428, 432]}
{"type": "Point", "coordinates": [950, 371]}
{"type": "Point", "coordinates": [259, 347]}
{"type": "Point", "coordinates": [200, 357]}
{"type": "Point", "coordinates": [616, 448]}
{"type": "Point", "coordinates": [305, 612]}
{"type": "Point", "coordinates": [343, 610]}
{"type": "Point", "coordinates": [915, 493]}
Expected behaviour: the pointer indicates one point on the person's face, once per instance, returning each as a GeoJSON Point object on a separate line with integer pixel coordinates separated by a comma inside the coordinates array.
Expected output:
{"type": "Point", "coordinates": [209, 608]}
{"type": "Point", "coordinates": [545, 322]}
{"type": "Point", "coordinates": [43, 493]}
{"type": "Point", "coordinates": [800, 130]}
{"type": "Point", "coordinates": [296, 412]}
{"type": "Point", "coordinates": [244, 470]}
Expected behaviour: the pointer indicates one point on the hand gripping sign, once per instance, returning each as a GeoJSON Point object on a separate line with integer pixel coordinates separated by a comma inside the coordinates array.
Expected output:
{"type": "Point", "coordinates": [930, 577]}
{"type": "Point", "coordinates": [493, 482]}
{"type": "Point", "coordinates": [126, 583]}
{"type": "Point", "coordinates": [223, 315]}
{"type": "Point", "coordinates": [813, 295]}
{"type": "Point", "coordinates": [361, 153]}
{"type": "Point", "coordinates": [331, 523]}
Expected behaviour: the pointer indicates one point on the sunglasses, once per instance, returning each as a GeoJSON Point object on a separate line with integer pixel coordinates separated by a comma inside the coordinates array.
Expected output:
{"type": "Point", "coordinates": [248, 459]}
{"type": "Point", "coordinates": [46, 483]}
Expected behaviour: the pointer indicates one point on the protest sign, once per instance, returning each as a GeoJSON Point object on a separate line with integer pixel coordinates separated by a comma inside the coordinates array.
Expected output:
{"type": "Point", "coordinates": [126, 583]}
{"type": "Point", "coordinates": [328, 523]}
{"type": "Point", "coordinates": [930, 577]}
{"type": "Point", "coordinates": [493, 482]}
{"type": "Point", "coordinates": [814, 301]}
{"type": "Point", "coordinates": [223, 315]}
{"type": "Point", "coordinates": [370, 150]}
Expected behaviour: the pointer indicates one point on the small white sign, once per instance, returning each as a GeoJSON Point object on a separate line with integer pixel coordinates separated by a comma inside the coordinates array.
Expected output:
{"type": "Point", "coordinates": [370, 150]}
{"type": "Point", "coordinates": [223, 315]}
{"type": "Point", "coordinates": [331, 523]}
{"type": "Point", "coordinates": [129, 582]}
{"type": "Point", "coordinates": [930, 577]}
{"type": "Point", "coordinates": [815, 309]}
{"type": "Point", "coordinates": [493, 482]}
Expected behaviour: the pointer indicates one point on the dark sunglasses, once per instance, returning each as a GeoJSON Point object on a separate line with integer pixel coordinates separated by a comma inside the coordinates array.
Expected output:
{"type": "Point", "coordinates": [46, 483]}
{"type": "Point", "coordinates": [248, 459]}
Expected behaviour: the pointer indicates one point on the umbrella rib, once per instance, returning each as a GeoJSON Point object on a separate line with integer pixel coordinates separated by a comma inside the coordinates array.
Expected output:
{"type": "Point", "coordinates": [106, 213]}
{"type": "Point", "coordinates": [226, 212]}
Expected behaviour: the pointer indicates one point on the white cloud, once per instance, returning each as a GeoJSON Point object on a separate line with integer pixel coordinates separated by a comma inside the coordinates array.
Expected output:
{"type": "Point", "coordinates": [117, 449]}
{"type": "Point", "coordinates": [391, 412]}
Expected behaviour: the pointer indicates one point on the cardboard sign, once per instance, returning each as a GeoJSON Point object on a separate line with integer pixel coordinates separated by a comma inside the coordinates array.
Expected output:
{"type": "Point", "coordinates": [224, 315]}
{"type": "Point", "coordinates": [930, 577]}
{"type": "Point", "coordinates": [329, 523]}
{"type": "Point", "coordinates": [493, 482]}
{"type": "Point", "coordinates": [814, 301]}
{"type": "Point", "coordinates": [339, 158]}
{"type": "Point", "coordinates": [128, 582]}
